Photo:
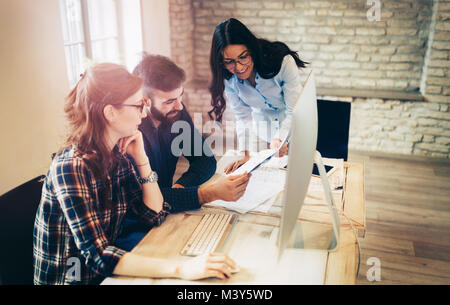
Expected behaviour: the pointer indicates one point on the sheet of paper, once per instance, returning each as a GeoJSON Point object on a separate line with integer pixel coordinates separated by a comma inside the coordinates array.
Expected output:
{"type": "Point", "coordinates": [259, 158]}
{"type": "Point", "coordinates": [276, 162]}
{"type": "Point", "coordinates": [264, 184]}
{"type": "Point", "coordinates": [254, 162]}
{"type": "Point", "coordinates": [266, 205]}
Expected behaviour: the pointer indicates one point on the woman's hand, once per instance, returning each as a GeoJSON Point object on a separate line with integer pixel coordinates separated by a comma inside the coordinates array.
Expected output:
{"type": "Point", "coordinates": [276, 144]}
{"type": "Point", "coordinates": [205, 266]}
{"type": "Point", "coordinates": [236, 164]}
{"type": "Point", "coordinates": [134, 146]}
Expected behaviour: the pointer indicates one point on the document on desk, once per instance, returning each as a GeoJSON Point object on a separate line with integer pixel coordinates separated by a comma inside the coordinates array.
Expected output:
{"type": "Point", "coordinates": [265, 183]}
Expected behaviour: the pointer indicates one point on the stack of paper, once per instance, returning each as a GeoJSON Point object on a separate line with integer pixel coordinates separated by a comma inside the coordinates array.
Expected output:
{"type": "Point", "coordinates": [264, 184]}
{"type": "Point", "coordinates": [268, 180]}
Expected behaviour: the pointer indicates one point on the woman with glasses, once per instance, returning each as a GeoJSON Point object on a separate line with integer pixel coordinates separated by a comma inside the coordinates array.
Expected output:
{"type": "Point", "coordinates": [261, 81]}
{"type": "Point", "coordinates": [100, 175]}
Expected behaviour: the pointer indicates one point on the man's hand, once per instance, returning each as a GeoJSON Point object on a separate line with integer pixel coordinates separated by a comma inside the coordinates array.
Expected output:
{"type": "Point", "coordinates": [229, 188]}
{"type": "Point", "coordinates": [232, 188]}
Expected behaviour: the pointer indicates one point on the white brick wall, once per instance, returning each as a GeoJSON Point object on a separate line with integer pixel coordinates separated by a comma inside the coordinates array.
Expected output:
{"type": "Point", "coordinates": [346, 51]}
{"type": "Point", "coordinates": [332, 34]}
{"type": "Point", "coordinates": [400, 127]}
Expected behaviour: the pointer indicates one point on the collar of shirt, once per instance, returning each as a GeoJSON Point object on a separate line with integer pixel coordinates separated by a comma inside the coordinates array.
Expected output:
{"type": "Point", "coordinates": [243, 80]}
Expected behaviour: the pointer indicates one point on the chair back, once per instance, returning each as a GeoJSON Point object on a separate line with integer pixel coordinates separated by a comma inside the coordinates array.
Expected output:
{"type": "Point", "coordinates": [333, 130]}
{"type": "Point", "coordinates": [17, 214]}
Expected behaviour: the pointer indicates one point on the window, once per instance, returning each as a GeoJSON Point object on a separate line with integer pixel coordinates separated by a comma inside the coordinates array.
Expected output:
{"type": "Point", "coordinates": [100, 31]}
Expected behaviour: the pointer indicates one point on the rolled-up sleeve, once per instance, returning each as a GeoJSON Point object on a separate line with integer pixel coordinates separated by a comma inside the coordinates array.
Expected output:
{"type": "Point", "coordinates": [243, 114]}
{"type": "Point", "coordinates": [78, 203]}
{"type": "Point", "coordinates": [289, 76]}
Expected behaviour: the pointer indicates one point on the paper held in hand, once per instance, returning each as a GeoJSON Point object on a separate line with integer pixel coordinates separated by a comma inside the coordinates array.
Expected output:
{"type": "Point", "coordinates": [255, 161]}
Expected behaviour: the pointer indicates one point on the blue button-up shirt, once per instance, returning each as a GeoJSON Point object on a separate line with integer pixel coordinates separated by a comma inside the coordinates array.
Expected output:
{"type": "Point", "coordinates": [266, 109]}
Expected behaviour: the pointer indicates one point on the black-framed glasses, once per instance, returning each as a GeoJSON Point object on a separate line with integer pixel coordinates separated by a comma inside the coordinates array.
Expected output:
{"type": "Point", "coordinates": [243, 59]}
{"type": "Point", "coordinates": [140, 107]}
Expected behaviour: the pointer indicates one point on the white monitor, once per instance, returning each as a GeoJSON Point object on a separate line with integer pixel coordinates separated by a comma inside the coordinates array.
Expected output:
{"type": "Point", "coordinates": [302, 150]}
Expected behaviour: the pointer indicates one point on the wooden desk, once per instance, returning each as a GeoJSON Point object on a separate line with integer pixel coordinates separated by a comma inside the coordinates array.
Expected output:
{"type": "Point", "coordinates": [252, 243]}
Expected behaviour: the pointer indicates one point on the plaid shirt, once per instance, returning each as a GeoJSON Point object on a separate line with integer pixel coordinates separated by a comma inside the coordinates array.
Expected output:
{"type": "Point", "coordinates": [74, 232]}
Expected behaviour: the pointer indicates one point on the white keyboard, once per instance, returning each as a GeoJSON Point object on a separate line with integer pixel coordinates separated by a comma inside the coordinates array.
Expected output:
{"type": "Point", "coordinates": [212, 231]}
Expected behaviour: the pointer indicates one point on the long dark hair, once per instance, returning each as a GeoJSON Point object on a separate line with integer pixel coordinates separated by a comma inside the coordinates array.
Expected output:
{"type": "Point", "coordinates": [267, 57]}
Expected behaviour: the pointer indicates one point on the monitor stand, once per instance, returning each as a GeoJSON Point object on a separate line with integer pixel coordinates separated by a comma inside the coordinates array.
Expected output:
{"type": "Point", "coordinates": [308, 235]}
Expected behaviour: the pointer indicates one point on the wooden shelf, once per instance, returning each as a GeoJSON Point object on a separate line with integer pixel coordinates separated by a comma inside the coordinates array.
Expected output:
{"type": "Point", "coordinates": [339, 92]}
{"type": "Point", "coordinates": [367, 93]}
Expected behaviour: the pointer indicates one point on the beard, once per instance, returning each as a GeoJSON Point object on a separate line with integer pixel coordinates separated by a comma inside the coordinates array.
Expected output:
{"type": "Point", "coordinates": [167, 119]}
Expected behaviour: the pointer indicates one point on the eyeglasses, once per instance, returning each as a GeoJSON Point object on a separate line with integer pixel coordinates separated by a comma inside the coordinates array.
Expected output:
{"type": "Point", "coordinates": [140, 107]}
{"type": "Point", "coordinates": [244, 59]}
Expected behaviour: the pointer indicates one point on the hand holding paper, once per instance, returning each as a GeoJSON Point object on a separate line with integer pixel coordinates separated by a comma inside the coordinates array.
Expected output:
{"type": "Point", "coordinates": [282, 148]}
{"type": "Point", "coordinates": [254, 162]}
{"type": "Point", "coordinates": [259, 159]}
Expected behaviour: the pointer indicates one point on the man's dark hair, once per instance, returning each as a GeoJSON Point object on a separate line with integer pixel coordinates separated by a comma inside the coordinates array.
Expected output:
{"type": "Point", "coordinates": [159, 72]}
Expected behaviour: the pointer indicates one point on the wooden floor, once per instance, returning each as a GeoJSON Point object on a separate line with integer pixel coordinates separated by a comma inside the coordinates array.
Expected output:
{"type": "Point", "coordinates": [407, 216]}
{"type": "Point", "coordinates": [408, 219]}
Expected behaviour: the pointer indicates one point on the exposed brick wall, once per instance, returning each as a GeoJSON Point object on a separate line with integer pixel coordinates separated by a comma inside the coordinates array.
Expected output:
{"type": "Point", "coordinates": [437, 72]}
{"type": "Point", "coordinates": [346, 51]}
{"type": "Point", "coordinates": [181, 31]}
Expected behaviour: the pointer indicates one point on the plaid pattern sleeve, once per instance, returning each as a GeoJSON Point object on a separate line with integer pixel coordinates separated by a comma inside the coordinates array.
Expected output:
{"type": "Point", "coordinates": [138, 206]}
{"type": "Point", "coordinates": [73, 228]}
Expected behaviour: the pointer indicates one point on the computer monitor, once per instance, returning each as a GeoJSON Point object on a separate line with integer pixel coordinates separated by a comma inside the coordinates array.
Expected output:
{"type": "Point", "coordinates": [302, 153]}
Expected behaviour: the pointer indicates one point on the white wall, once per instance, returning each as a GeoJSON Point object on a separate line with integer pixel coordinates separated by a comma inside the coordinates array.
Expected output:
{"type": "Point", "coordinates": [33, 84]}
{"type": "Point", "coordinates": [156, 27]}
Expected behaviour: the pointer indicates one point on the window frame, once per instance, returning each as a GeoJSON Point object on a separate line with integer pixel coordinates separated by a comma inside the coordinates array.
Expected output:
{"type": "Point", "coordinates": [87, 43]}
